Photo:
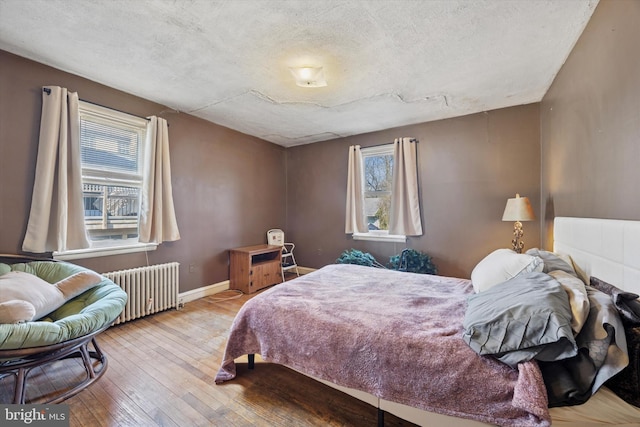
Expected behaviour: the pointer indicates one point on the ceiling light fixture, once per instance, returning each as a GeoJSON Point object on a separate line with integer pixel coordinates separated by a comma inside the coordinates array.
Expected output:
{"type": "Point", "coordinates": [309, 76]}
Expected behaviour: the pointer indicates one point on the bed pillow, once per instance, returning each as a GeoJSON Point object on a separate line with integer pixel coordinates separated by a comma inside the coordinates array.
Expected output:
{"type": "Point", "coordinates": [25, 297]}
{"type": "Point", "coordinates": [553, 261]}
{"type": "Point", "coordinates": [527, 317]}
{"type": "Point", "coordinates": [627, 303]}
{"type": "Point", "coordinates": [578, 298]}
{"type": "Point", "coordinates": [501, 265]}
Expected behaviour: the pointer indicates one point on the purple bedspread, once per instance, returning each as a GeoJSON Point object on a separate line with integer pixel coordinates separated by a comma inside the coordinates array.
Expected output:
{"type": "Point", "coordinates": [395, 335]}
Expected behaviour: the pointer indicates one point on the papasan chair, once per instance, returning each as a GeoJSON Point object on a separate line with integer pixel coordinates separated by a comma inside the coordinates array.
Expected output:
{"type": "Point", "coordinates": [51, 311]}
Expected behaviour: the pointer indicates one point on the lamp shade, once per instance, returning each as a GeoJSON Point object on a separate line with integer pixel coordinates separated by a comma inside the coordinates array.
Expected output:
{"type": "Point", "coordinates": [518, 209]}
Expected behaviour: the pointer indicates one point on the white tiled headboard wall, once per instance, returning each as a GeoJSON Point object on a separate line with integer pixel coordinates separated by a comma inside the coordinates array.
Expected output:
{"type": "Point", "coordinates": [608, 249]}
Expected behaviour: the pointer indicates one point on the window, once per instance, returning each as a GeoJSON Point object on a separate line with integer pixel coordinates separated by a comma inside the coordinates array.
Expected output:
{"type": "Point", "coordinates": [111, 146]}
{"type": "Point", "coordinates": [377, 181]}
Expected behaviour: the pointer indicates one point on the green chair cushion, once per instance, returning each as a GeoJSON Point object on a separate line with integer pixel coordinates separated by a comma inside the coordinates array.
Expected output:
{"type": "Point", "coordinates": [82, 315]}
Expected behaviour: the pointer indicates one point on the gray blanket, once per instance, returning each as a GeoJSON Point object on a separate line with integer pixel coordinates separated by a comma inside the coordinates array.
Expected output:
{"type": "Point", "coordinates": [602, 354]}
{"type": "Point", "coordinates": [395, 335]}
{"type": "Point", "coordinates": [527, 317]}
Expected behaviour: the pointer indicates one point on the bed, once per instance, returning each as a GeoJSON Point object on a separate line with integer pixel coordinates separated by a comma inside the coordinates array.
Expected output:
{"type": "Point", "coordinates": [411, 345]}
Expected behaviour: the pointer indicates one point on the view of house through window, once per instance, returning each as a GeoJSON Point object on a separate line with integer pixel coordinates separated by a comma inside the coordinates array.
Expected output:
{"type": "Point", "coordinates": [378, 175]}
{"type": "Point", "coordinates": [111, 146]}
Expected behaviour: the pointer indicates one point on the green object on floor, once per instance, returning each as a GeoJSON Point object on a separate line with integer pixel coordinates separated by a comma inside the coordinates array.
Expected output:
{"type": "Point", "coordinates": [354, 256]}
{"type": "Point", "coordinates": [413, 261]}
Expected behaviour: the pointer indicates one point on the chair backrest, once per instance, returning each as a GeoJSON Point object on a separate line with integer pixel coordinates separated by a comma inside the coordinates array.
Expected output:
{"type": "Point", "coordinates": [275, 236]}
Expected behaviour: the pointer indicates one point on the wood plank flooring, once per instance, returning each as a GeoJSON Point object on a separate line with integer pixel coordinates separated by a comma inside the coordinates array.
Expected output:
{"type": "Point", "coordinates": [161, 373]}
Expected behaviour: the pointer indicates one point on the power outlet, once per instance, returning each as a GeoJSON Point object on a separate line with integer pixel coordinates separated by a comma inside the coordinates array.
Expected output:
{"type": "Point", "coordinates": [192, 268]}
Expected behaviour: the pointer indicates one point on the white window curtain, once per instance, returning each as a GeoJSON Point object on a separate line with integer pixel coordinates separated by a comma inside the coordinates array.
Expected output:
{"type": "Point", "coordinates": [355, 222]}
{"type": "Point", "coordinates": [404, 218]}
{"type": "Point", "coordinates": [56, 220]}
{"type": "Point", "coordinates": [157, 214]}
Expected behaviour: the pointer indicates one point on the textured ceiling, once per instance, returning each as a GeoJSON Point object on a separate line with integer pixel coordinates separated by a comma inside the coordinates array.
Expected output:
{"type": "Point", "coordinates": [387, 63]}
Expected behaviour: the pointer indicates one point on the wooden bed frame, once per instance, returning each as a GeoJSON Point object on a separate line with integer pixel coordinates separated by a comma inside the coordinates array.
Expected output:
{"type": "Point", "coordinates": [607, 249]}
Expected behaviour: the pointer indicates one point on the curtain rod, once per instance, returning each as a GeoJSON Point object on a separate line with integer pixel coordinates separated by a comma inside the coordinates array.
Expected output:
{"type": "Point", "coordinates": [48, 92]}
{"type": "Point", "coordinates": [389, 143]}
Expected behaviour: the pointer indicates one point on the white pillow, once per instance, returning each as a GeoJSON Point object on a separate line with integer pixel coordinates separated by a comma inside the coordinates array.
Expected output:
{"type": "Point", "coordinates": [25, 297]}
{"type": "Point", "coordinates": [578, 298]}
{"type": "Point", "coordinates": [502, 265]}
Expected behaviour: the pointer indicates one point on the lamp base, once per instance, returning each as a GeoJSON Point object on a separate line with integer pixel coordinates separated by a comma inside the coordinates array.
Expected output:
{"type": "Point", "coordinates": [517, 244]}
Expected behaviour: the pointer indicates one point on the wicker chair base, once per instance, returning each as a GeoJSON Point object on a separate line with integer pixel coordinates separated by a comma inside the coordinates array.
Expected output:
{"type": "Point", "coordinates": [19, 363]}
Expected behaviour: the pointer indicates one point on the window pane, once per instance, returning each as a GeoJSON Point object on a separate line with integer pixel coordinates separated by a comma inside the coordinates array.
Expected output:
{"type": "Point", "coordinates": [378, 175]}
{"type": "Point", "coordinates": [377, 212]}
{"type": "Point", "coordinates": [111, 212]}
{"type": "Point", "coordinates": [109, 147]}
{"type": "Point", "coordinates": [111, 144]}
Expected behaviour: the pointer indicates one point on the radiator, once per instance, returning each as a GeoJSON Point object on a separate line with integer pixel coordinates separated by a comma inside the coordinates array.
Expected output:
{"type": "Point", "coordinates": [150, 289]}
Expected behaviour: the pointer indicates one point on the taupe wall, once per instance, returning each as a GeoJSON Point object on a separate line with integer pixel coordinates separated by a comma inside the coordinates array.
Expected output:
{"type": "Point", "coordinates": [576, 154]}
{"type": "Point", "coordinates": [228, 187]}
{"type": "Point", "coordinates": [590, 122]}
{"type": "Point", "coordinates": [468, 167]}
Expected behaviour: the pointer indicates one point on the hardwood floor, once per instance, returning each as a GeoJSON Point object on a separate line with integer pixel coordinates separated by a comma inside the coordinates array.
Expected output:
{"type": "Point", "coordinates": [161, 373]}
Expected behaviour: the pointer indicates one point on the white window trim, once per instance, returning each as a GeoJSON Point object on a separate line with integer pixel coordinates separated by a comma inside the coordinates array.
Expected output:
{"type": "Point", "coordinates": [100, 252]}
{"type": "Point", "coordinates": [110, 115]}
{"type": "Point", "coordinates": [100, 113]}
{"type": "Point", "coordinates": [378, 235]}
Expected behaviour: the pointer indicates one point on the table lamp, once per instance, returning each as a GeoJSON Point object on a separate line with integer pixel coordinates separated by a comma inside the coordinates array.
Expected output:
{"type": "Point", "coordinates": [518, 209]}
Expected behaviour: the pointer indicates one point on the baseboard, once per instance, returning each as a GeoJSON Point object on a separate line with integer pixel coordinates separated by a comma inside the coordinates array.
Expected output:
{"type": "Point", "coordinates": [205, 291]}
{"type": "Point", "coordinates": [202, 292]}
{"type": "Point", "coordinates": [306, 270]}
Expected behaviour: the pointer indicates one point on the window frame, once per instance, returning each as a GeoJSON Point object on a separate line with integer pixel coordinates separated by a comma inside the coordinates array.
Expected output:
{"type": "Point", "coordinates": [377, 235]}
{"type": "Point", "coordinates": [99, 176]}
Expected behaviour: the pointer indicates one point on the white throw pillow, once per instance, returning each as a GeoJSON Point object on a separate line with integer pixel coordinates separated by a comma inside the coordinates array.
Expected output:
{"type": "Point", "coordinates": [25, 297]}
{"type": "Point", "coordinates": [502, 265]}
